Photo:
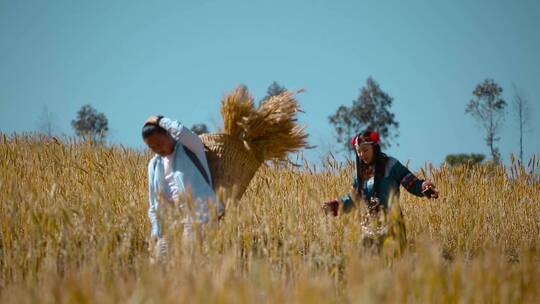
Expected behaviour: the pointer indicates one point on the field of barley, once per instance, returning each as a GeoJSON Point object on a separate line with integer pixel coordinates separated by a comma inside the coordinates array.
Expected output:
{"type": "Point", "coordinates": [74, 229]}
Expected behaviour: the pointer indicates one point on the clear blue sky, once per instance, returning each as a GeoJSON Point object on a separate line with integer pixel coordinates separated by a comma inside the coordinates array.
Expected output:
{"type": "Point", "coordinates": [130, 59]}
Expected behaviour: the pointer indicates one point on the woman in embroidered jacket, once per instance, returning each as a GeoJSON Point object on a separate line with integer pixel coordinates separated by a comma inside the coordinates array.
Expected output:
{"type": "Point", "coordinates": [378, 176]}
{"type": "Point", "coordinates": [179, 166]}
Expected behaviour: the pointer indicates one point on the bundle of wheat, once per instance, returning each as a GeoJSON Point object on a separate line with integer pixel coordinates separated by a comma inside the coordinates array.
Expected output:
{"type": "Point", "coordinates": [235, 106]}
{"type": "Point", "coordinates": [271, 131]}
{"type": "Point", "coordinates": [250, 137]}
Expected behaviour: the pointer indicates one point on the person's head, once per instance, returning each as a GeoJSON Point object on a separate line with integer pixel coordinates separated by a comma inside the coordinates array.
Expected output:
{"type": "Point", "coordinates": [368, 153]}
{"type": "Point", "coordinates": [367, 146]}
{"type": "Point", "coordinates": [158, 139]}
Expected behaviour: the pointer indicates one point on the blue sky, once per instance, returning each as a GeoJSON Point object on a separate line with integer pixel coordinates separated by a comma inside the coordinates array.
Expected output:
{"type": "Point", "coordinates": [130, 59]}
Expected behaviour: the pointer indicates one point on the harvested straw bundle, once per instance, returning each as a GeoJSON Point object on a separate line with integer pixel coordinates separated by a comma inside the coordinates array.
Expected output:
{"type": "Point", "coordinates": [271, 131]}
{"type": "Point", "coordinates": [250, 137]}
{"type": "Point", "coordinates": [234, 107]}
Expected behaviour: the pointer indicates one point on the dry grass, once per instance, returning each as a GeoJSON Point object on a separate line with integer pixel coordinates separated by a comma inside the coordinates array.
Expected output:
{"type": "Point", "coordinates": [270, 131]}
{"type": "Point", "coordinates": [73, 229]}
{"type": "Point", "coordinates": [234, 107]}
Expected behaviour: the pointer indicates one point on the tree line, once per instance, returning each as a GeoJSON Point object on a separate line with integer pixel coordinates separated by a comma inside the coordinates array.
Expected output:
{"type": "Point", "coordinates": [91, 125]}
{"type": "Point", "coordinates": [371, 110]}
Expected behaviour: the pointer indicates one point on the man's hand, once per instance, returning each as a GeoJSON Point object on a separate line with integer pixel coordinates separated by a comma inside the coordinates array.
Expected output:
{"type": "Point", "coordinates": [152, 120]}
{"type": "Point", "coordinates": [429, 189]}
{"type": "Point", "coordinates": [158, 249]}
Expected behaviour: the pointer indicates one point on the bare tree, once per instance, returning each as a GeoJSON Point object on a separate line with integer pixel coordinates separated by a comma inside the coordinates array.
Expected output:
{"type": "Point", "coordinates": [522, 112]}
{"type": "Point", "coordinates": [488, 109]}
{"type": "Point", "coordinates": [47, 122]}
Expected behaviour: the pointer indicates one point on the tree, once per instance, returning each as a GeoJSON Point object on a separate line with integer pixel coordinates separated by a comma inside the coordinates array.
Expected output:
{"type": "Point", "coordinates": [199, 128]}
{"type": "Point", "coordinates": [462, 159]}
{"type": "Point", "coordinates": [346, 126]}
{"type": "Point", "coordinates": [273, 90]}
{"type": "Point", "coordinates": [47, 122]}
{"type": "Point", "coordinates": [90, 125]}
{"type": "Point", "coordinates": [371, 110]}
{"type": "Point", "coordinates": [522, 112]}
{"type": "Point", "coordinates": [487, 108]}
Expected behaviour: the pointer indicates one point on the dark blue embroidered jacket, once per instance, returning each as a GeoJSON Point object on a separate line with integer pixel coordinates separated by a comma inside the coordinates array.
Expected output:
{"type": "Point", "coordinates": [394, 175]}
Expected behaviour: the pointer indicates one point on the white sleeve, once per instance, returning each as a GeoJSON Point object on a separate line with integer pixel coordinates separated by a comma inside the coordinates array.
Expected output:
{"type": "Point", "coordinates": [187, 137]}
{"type": "Point", "coordinates": [152, 201]}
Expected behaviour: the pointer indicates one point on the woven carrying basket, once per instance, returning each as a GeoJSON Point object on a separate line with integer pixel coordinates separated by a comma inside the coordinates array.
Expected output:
{"type": "Point", "coordinates": [231, 164]}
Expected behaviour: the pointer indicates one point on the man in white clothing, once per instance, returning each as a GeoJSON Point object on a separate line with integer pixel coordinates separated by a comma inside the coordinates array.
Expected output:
{"type": "Point", "coordinates": [179, 167]}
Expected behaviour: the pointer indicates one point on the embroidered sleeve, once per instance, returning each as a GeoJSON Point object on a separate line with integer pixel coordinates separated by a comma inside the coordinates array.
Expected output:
{"type": "Point", "coordinates": [407, 179]}
{"type": "Point", "coordinates": [347, 202]}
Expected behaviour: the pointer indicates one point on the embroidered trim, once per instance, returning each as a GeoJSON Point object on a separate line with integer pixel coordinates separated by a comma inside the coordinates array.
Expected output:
{"type": "Point", "coordinates": [409, 180]}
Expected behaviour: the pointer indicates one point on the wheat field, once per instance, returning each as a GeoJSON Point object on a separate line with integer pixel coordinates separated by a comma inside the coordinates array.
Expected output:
{"type": "Point", "coordinates": [74, 229]}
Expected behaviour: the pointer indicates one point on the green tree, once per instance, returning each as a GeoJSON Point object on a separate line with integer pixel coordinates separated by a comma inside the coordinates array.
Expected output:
{"type": "Point", "coordinates": [199, 128]}
{"type": "Point", "coordinates": [462, 159]}
{"type": "Point", "coordinates": [371, 110]}
{"type": "Point", "coordinates": [487, 107]}
{"type": "Point", "coordinates": [273, 90]}
{"type": "Point", "coordinates": [345, 125]}
{"type": "Point", "coordinates": [90, 124]}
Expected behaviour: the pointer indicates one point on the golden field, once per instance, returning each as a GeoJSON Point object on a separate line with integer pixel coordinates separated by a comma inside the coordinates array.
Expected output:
{"type": "Point", "coordinates": [74, 229]}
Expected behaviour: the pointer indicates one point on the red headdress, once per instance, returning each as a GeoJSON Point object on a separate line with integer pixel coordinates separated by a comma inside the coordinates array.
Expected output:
{"type": "Point", "coordinates": [368, 137]}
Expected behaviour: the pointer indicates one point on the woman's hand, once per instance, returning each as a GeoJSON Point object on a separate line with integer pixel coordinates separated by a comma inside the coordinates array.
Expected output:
{"type": "Point", "coordinates": [331, 207]}
{"type": "Point", "coordinates": [429, 189]}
